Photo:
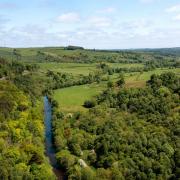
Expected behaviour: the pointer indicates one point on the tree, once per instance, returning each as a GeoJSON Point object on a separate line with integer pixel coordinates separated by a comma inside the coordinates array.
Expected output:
{"type": "Point", "coordinates": [110, 84]}
{"type": "Point", "coordinates": [89, 104]}
{"type": "Point", "coordinates": [16, 54]}
{"type": "Point", "coordinates": [121, 81]}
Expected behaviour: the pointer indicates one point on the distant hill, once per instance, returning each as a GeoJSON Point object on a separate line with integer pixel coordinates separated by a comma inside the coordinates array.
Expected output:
{"type": "Point", "coordinates": [79, 54]}
{"type": "Point", "coordinates": [163, 51]}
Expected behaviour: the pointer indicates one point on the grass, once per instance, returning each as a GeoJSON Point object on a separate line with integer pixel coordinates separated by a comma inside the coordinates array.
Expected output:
{"type": "Point", "coordinates": [72, 99]}
{"type": "Point", "coordinates": [79, 68]}
{"type": "Point", "coordinates": [147, 75]}
{"type": "Point", "coordinates": [121, 65]}
{"type": "Point", "coordinates": [139, 79]}
{"type": "Point", "coordinates": [73, 68]}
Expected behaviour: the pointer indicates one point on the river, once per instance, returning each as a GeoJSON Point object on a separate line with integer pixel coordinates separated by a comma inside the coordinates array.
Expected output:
{"type": "Point", "coordinates": [50, 149]}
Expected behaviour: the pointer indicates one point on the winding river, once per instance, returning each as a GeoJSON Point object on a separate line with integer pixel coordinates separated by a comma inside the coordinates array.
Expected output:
{"type": "Point", "coordinates": [50, 149]}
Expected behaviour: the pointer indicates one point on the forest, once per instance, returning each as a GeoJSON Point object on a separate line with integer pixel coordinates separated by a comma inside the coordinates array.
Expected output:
{"type": "Point", "coordinates": [128, 134]}
{"type": "Point", "coordinates": [115, 113]}
{"type": "Point", "coordinates": [21, 135]}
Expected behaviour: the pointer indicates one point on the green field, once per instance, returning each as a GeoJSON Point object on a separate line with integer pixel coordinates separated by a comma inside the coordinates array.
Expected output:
{"type": "Point", "coordinates": [120, 65]}
{"type": "Point", "coordinates": [72, 99]}
{"type": "Point", "coordinates": [73, 68]}
{"type": "Point", "coordinates": [139, 79]}
{"type": "Point", "coordinates": [79, 68]}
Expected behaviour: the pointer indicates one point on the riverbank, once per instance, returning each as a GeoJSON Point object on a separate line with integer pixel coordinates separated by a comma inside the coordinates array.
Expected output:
{"type": "Point", "coordinates": [50, 149]}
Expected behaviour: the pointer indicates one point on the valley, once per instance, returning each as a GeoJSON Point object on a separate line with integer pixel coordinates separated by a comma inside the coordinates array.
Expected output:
{"type": "Point", "coordinates": [115, 114]}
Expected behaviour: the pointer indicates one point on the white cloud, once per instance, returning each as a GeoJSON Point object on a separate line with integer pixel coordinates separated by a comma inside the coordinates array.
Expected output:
{"type": "Point", "coordinates": [98, 31]}
{"type": "Point", "coordinates": [29, 36]}
{"type": "Point", "coordinates": [130, 34]}
{"type": "Point", "coordinates": [99, 21]}
{"type": "Point", "coordinates": [140, 27]}
{"type": "Point", "coordinates": [69, 17]}
{"type": "Point", "coordinates": [175, 8]}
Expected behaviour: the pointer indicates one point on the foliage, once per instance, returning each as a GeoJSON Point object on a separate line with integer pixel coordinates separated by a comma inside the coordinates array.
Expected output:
{"type": "Point", "coordinates": [21, 136]}
{"type": "Point", "coordinates": [89, 104]}
{"type": "Point", "coordinates": [78, 54]}
{"type": "Point", "coordinates": [129, 134]}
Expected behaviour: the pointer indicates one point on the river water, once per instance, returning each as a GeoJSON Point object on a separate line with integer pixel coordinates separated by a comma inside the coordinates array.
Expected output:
{"type": "Point", "coordinates": [50, 149]}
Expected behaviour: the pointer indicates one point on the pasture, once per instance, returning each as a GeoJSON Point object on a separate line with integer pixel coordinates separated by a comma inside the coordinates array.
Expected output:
{"type": "Point", "coordinates": [79, 68]}
{"type": "Point", "coordinates": [72, 99]}
{"type": "Point", "coordinates": [139, 79]}
{"type": "Point", "coordinates": [73, 68]}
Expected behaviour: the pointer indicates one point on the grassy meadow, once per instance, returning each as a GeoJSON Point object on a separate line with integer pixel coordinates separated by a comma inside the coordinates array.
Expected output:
{"type": "Point", "coordinates": [71, 99]}
{"type": "Point", "coordinates": [73, 68]}
{"type": "Point", "coordinates": [139, 79]}
{"type": "Point", "coordinates": [79, 68]}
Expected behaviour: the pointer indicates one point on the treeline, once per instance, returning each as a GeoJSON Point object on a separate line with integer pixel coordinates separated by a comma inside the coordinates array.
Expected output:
{"type": "Point", "coordinates": [62, 80]}
{"type": "Point", "coordinates": [73, 48]}
{"type": "Point", "coordinates": [85, 56]}
{"type": "Point", "coordinates": [13, 68]}
{"type": "Point", "coordinates": [129, 134]}
{"type": "Point", "coordinates": [59, 80]}
{"type": "Point", "coordinates": [147, 66]}
{"type": "Point", "coordinates": [106, 69]}
{"type": "Point", "coordinates": [24, 76]}
{"type": "Point", "coordinates": [163, 63]}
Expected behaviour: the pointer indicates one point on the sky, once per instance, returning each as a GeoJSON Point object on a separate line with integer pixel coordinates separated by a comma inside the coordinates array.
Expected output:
{"type": "Point", "coordinates": [100, 24]}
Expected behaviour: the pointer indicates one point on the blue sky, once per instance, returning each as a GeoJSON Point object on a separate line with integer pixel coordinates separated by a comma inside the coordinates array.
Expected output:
{"type": "Point", "coordinates": [103, 24]}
